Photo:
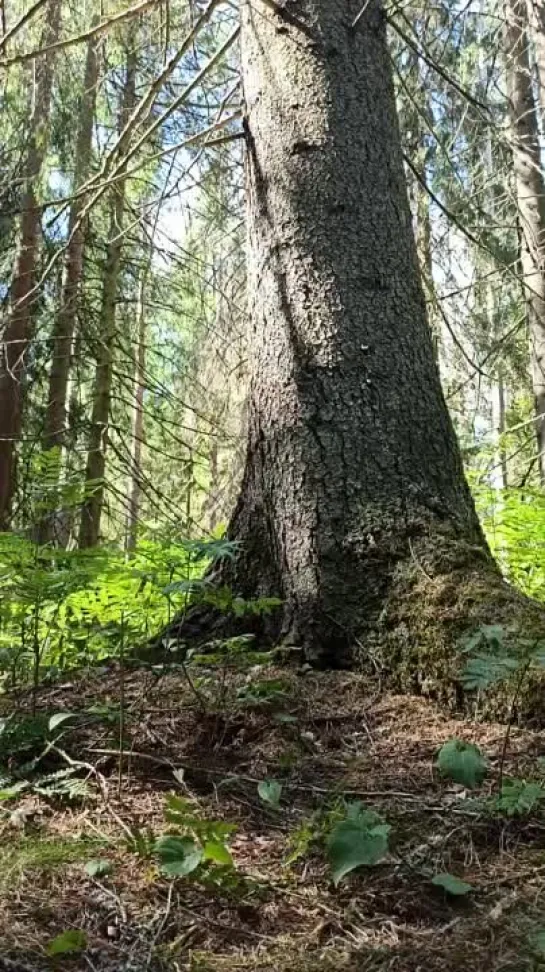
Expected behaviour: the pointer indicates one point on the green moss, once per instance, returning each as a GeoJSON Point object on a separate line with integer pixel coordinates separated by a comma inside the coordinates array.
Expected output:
{"type": "Point", "coordinates": [444, 592]}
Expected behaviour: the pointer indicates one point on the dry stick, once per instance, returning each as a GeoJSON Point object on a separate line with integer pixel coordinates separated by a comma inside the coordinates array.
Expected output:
{"type": "Point", "coordinates": [236, 778]}
{"type": "Point", "coordinates": [357, 19]}
{"type": "Point", "coordinates": [101, 785]}
{"type": "Point", "coordinates": [179, 101]}
{"type": "Point", "coordinates": [145, 104]}
{"type": "Point", "coordinates": [422, 53]}
{"type": "Point", "coordinates": [21, 22]}
{"type": "Point", "coordinates": [95, 31]}
{"type": "Point", "coordinates": [118, 171]}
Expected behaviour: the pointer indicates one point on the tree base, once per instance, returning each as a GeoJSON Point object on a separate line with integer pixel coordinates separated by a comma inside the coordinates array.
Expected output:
{"type": "Point", "coordinates": [444, 592]}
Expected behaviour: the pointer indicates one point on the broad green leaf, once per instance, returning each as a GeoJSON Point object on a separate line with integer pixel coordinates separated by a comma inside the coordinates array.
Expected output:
{"type": "Point", "coordinates": [68, 942]}
{"type": "Point", "coordinates": [452, 885]}
{"type": "Point", "coordinates": [462, 762]}
{"type": "Point", "coordinates": [270, 792]}
{"type": "Point", "coordinates": [178, 856]}
{"type": "Point", "coordinates": [215, 851]}
{"type": "Point", "coordinates": [354, 843]}
{"type": "Point", "coordinates": [98, 867]}
{"type": "Point", "coordinates": [58, 719]}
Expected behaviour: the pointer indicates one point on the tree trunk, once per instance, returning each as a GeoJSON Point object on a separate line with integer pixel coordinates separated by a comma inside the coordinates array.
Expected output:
{"type": "Point", "coordinates": [530, 191]}
{"type": "Point", "coordinates": [536, 17]}
{"type": "Point", "coordinates": [98, 436]}
{"type": "Point", "coordinates": [354, 509]}
{"type": "Point", "coordinates": [65, 321]}
{"type": "Point", "coordinates": [137, 437]}
{"type": "Point", "coordinates": [17, 331]}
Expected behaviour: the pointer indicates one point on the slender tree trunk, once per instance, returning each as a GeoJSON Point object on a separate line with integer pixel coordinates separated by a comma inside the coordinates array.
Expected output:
{"type": "Point", "coordinates": [17, 330]}
{"type": "Point", "coordinates": [65, 321]}
{"type": "Point", "coordinates": [98, 436]}
{"type": "Point", "coordinates": [536, 17]}
{"type": "Point", "coordinates": [137, 436]}
{"type": "Point", "coordinates": [530, 190]}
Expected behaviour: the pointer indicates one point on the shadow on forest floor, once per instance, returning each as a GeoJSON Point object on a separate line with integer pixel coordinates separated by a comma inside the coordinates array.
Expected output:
{"type": "Point", "coordinates": [323, 736]}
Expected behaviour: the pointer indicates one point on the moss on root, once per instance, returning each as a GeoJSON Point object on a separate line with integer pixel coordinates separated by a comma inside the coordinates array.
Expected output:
{"type": "Point", "coordinates": [444, 593]}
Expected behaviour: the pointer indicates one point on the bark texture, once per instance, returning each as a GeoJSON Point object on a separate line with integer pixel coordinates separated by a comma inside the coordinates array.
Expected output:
{"type": "Point", "coordinates": [17, 330]}
{"type": "Point", "coordinates": [89, 533]}
{"type": "Point", "coordinates": [353, 477]}
{"type": "Point", "coordinates": [530, 191]}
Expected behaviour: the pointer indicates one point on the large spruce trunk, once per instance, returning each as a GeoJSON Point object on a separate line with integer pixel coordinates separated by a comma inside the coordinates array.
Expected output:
{"type": "Point", "coordinates": [352, 458]}
{"type": "Point", "coordinates": [354, 509]}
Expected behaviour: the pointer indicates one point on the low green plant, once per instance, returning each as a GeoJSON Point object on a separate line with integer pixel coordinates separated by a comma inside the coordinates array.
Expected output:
{"type": "Point", "coordinates": [462, 762]}
{"type": "Point", "coordinates": [519, 798]}
{"type": "Point", "coordinates": [27, 855]}
{"type": "Point", "coordinates": [264, 691]}
{"type": "Point", "coordinates": [192, 846]}
{"type": "Point", "coordinates": [70, 942]}
{"type": "Point", "coordinates": [269, 792]}
{"type": "Point", "coordinates": [361, 839]}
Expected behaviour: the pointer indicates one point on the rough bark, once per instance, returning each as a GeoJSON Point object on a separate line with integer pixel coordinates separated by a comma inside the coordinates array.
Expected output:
{"type": "Point", "coordinates": [98, 435]}
{"type": "Point", "coordinates": [17, 330]}
{"type": "Point", "coordinates": [530, 192]}
{"type": "Point", "coordinates": [64, 324]}
{"type": "Point", "coordinates": [354, 509]}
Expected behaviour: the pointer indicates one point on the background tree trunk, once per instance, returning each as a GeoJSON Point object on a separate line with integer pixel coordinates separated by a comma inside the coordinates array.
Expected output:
{"type": "Point", "coordinates": [353, 478]}
{"type": "Point", "coordinates": [536, 17]}
{"type": "Point", "coordinates": [134, 491]}
{"type": "Point", "coordinates": [65, 320]}
{"type": "Point", "coordinates": [98, 435]}
{"type": "Point", "coordinates": [17, 330]}
{"type": "Point", "coordinates": [530, 191]}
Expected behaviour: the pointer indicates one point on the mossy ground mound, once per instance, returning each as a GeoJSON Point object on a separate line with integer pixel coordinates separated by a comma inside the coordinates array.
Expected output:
{"type": "Point", "coordinates": [442, 595]}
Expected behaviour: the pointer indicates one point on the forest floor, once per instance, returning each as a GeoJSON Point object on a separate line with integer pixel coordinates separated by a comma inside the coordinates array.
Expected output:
{"type": "Point", "coordinates": [325, 737]}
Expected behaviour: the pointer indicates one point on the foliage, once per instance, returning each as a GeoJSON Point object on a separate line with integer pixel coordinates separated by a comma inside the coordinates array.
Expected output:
{"type": "Point", "coordinates": [519, 798]}
{"type": "Point", "coordinates": [462, 763]}
{"type": "Point", "coordinates": [98, 867]}
{"type": "Point", "coordinates": [61, 609]}
{"type": "Point", "coordinates": [270, 792]}
{"type": "Point", "coordinates": [359, 840]}
{"type": "Point", "coordinates": [452, 885]}
{"type": "Point", "coordinates": [514, 522]}
{"type": "Point", "coordinates": [67, 943]}
{"type": "Point", "coordinates": [495, 655]}
{"type": "Point", "coordinates": [193, 844]}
